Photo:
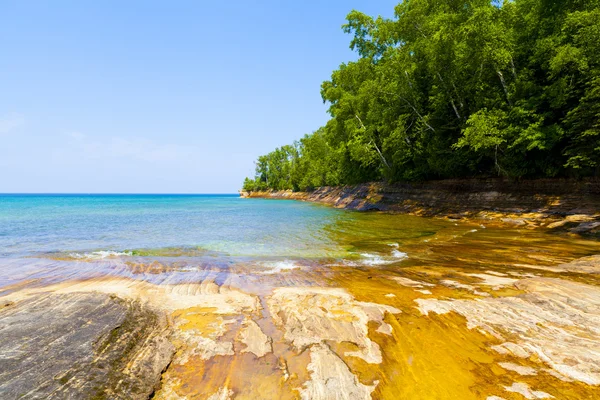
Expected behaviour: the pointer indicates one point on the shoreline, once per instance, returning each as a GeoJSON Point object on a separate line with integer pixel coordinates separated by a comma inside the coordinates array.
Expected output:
{"type": "Point", "coordinates": [409, 302]}
{"type": "Point", "coordinates": [556, 204]}
{"type": "Point", "coordinates": [354, 328]}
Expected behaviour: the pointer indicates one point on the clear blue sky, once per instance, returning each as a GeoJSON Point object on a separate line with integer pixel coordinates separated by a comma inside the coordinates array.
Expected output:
{"type": "Point", "coordinates": [160, 97]}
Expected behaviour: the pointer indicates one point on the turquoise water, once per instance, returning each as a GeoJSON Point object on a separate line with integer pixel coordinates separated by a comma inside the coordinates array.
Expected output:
{"type": "Point", "coordinates": [175, 238]}
{"type": "Point", "coordinates": [227, 224]}
{"type": "Point", "coordinates": [57, 237]}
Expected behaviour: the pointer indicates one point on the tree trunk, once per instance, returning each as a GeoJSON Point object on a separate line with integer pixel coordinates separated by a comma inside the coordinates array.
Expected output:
{"type": "Point", "coordinates": [374, 144]}
{"type": "Point", "coordinates": [504, 86]}
{"type": "Point", "coordinates": [451, 98]}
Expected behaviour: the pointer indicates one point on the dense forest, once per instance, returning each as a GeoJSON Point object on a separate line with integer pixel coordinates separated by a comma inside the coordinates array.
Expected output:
{"type": "Point", "coordinates": [456, 88]}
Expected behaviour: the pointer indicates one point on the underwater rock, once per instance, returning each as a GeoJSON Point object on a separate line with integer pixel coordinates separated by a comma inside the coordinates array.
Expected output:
{"type": "Point", "coordinates": [556, 320]}
{"type": "Point", "coordinates": [524, 390]}
{"type": "Point", "coordinates": [411, 283]}
{"type": "Point", "coordinates": [519, 369]}
{"type": "Point", "coordinates": [222, 394]}
{"type": "Point", "coordinates": [587, 265]}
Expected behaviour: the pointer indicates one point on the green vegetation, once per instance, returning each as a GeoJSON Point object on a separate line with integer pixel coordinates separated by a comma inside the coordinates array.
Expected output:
{"type": "Point", "coordinates": [456, 88]}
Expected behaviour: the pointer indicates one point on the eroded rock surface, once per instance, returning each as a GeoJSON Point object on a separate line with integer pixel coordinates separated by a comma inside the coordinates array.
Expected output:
{"type": "Point", "coordinates": [81, 345]}
{"type": "Point", "coordinates": [523, 203]}
{"type": "Point", "coordinates": [501, 332]}
{"type": "Point", "coordinates": [586, 265]}
{"type": "Point", "coordinates": [313, 315]}
{"type": "Point", "coordinates": [330, 378]}
{"type": "Point", "coordinates": [556, 320]}
{"type": "Point", "coordinates": [255, 340]}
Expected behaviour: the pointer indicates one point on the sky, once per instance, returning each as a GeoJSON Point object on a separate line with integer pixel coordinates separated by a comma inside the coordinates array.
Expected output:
{"type": "Point", "coordinates": [160, 96]}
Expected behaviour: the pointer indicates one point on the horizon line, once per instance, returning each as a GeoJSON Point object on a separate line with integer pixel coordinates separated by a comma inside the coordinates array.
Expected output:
{"type": "Point", "coordinates": [118, 193]}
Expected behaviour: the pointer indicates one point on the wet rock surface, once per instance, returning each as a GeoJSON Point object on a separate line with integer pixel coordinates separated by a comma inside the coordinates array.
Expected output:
{"type": "Point", "coordinates": [331, 378]}
{"type": "Point", "coordinates": [556, 320]}
{"type": "Point", "coordinates": [469, 312]}
{"type": "Point", "coordinates": [314, 315]}
{"type": "Point", "coordinates": [81, 345]}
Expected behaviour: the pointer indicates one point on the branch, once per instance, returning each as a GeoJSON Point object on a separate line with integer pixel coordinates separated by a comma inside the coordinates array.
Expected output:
{"type": "Point", "coordinates": [373, 143]}
{"type": "Point", "coordinates": [504, 86]}
{"type": "Point", "coordinates": [451, 98]}
{"type": "Point", "coordinates": [413, 108]}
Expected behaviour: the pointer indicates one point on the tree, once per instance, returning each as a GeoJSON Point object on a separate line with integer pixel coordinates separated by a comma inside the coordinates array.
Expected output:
{"type": "Point", "coordinates": [455, 88]}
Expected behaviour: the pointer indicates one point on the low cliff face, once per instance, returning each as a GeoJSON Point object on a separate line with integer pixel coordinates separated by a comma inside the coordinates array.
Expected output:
{"type": "Point", "coordinates": [564, 203]}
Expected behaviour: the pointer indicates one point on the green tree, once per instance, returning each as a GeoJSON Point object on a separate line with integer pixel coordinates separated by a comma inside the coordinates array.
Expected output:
{"type": "Point", "coordinates": [455, 88]}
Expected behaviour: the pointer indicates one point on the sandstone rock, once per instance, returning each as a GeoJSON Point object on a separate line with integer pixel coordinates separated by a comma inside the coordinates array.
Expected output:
{"type": "Point", "coordinates": [202, 347]}
{"type": "Point", "coordinates": [525, 391]}
{"type": "Point", "coordinates": [313, 315]}
{"type": "Point", "coordinates": [255, 340]}
{"type": "Point", "coordinates": [494, 280]}
{"type": "Point", "coordinates": [223, 394]}
{"type": "Point", "coordinates": [586, 228]}
{"type": "Point", "coordinates": [519, 369]}
{"type": "Point", "coordinates": [81, 345]}
{"type": "Point", "coordinates": [411, 283]}
{"type": "Point", "coordinates": [514, 221]}
{"type": "Point", "coordinates": [457, 285]}
{"type": "Point", "coordinates": [330, 378]}
{"type": "Point", "coordinates": [587, 265]}
{"type": "Point", "coordinates": [557, 320]}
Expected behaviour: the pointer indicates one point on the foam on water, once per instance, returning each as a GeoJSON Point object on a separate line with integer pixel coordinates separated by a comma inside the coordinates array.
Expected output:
{"type": "Point", "coordinates": [99, 255]}
{"type": "Point", "coordinates": [280, 266]}
{"type": "Point", "coordinates": [374, 259]}
{"type": "Point", "coordinates": [399, 254]}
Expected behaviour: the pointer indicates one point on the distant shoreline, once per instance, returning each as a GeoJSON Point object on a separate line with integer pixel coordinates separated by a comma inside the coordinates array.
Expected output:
{"type": "Point", "coordinates": [559, 204]}
{"type": "Point", "coordinates": [116, 194]}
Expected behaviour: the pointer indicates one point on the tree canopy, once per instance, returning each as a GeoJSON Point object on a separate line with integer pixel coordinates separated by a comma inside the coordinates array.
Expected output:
{"type": "Point", "coordinates": [455, 88]}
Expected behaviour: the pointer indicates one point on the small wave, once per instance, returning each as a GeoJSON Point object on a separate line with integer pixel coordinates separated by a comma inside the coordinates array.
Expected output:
{"type": "Point", "coordinates": [99, 255]}
{"type": "Point", "coordinates": [377, 259]}
{"type": "Point", "coordinates": [281, 266]}
{"type": "Point", "coordinates": [399, 254]}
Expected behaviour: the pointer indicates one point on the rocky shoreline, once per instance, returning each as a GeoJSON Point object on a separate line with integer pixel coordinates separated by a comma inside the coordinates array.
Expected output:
{"type": "Point", "coordinates": [557, 204]}
{"type": "Point", "coordinates": [509, 333]}
{"type": "Point", "coordinates": [84, 345]}
{"type": "Point", "coordinates": [470, 311]}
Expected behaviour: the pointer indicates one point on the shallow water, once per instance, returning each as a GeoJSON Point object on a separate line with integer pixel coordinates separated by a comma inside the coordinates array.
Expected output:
{"type": "Point", "coordinates": [299, 260]}
{"type": "Point", "coordinates": [226, 228]}
{"type": "Point", "coordinates": [61, 236]}
{"type": "Point", "coordinates": [30, 224]}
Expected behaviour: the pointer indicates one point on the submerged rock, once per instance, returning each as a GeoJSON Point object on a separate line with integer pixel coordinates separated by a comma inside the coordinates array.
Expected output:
{"type": "Point", "coordinates": [587, 265]}
{"type": "Point", "coordinates": [556, 320]}
{"type": "Point", "coordinates": [499, 332]}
